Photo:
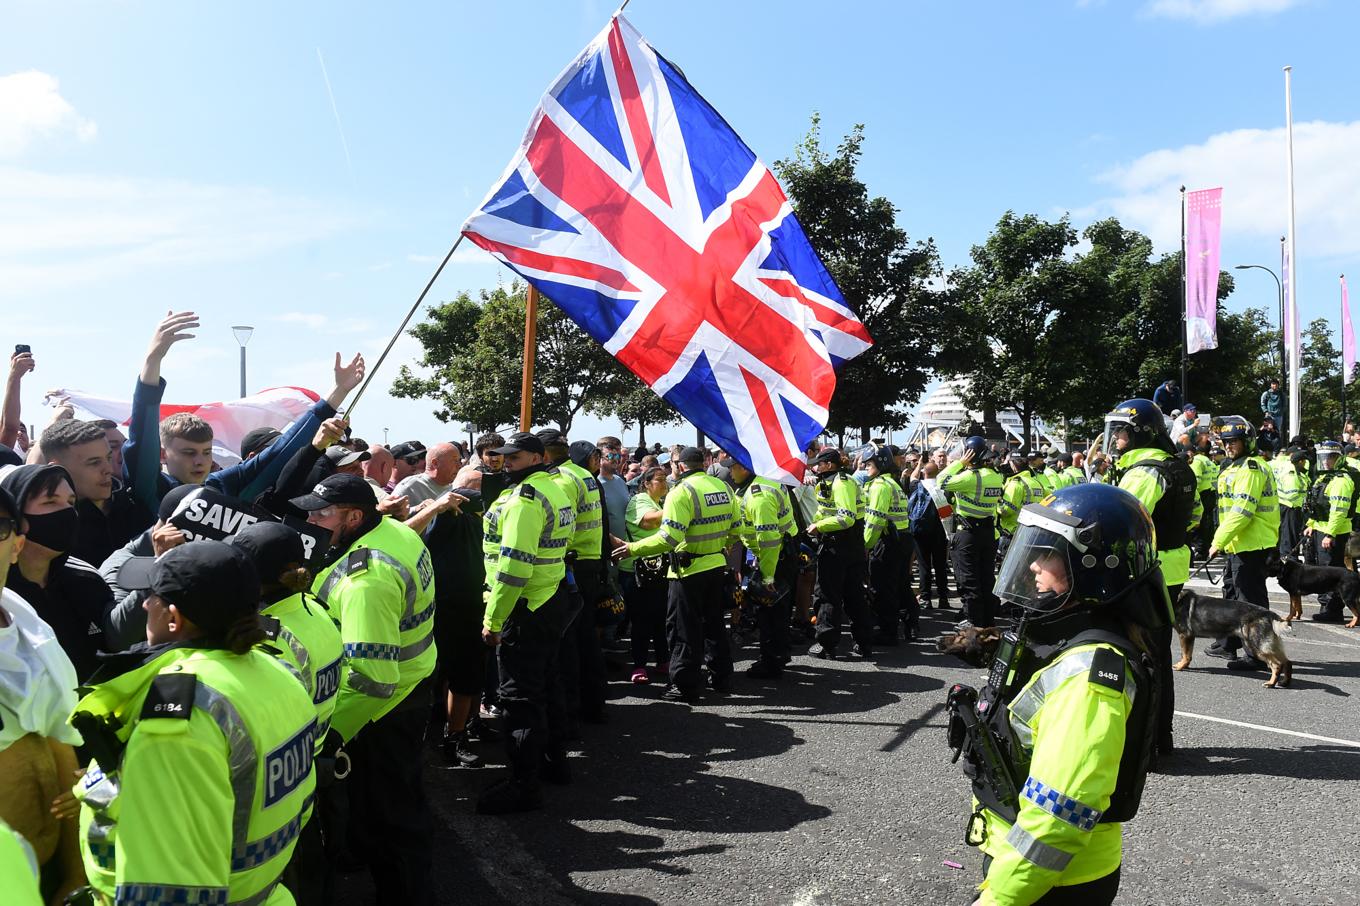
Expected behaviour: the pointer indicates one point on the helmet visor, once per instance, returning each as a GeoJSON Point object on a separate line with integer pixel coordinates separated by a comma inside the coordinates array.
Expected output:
{"type": "Point", "coordinates": [1037, 572]}
{"type": "Point", "coordinates": [1113, 425]}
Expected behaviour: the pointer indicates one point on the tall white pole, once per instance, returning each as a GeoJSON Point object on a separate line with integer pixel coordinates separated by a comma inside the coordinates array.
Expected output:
{"type": "Point", "coordinates": [1294, 386]}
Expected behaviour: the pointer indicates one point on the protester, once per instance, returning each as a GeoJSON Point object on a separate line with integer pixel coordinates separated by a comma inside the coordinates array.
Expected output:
{"type": "Point", "coordinates": [108, 516]}
{"type": "Point", "coordinates": [184, 441]}
{"type": "Point", "coordinates": [11, 420]}
{"type": "Point", "coordinates": [1168, 397]}
{"type": "Point", "coordinates": [442, 462]}
{"type": "Point", "coordinates": [1272, 402]}
{"type": "Point", "coordinates": [378, 469]}
{"type": "Point", "coordinates": [65, 591]}
{"type": "Point", "coordinates": [408, 458]}
{"type": "Point", "coordinates": [37, 695]}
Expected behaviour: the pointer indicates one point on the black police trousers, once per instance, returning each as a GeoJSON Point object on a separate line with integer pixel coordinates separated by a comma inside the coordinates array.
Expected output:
{"type": "Point", "coordinates": [584, 682]}
{"type": "Point", "coordinates": [840, 588]}
{"type": "Point", "coordinates": [1291, 533]}
{"type": "Point", "coordinates": [1244, 579]}
{"type": "Point", "coordinates": [390, 825]}
{"type": "Point", "coordinates": [697, 631]}
{"type": "Point", "coordinates": [1166, 680]}
{"type": "Point", "coordinates": [1335, 555]}
{"type": "Point", "coordinates": [531, 690]}
{"type": "Point", "coordinates": [973, 550]}
{"type": "Point", "coordinates": [890, 581]}
{"type": "Point", "coordinates": [772, 621]}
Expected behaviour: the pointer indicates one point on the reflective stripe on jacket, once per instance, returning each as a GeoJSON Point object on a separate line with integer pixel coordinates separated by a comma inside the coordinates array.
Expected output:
{"type": "Point", "coordinates": [525, 537]}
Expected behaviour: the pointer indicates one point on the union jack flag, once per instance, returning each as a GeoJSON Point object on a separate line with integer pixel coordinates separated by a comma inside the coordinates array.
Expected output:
{"type": "Point", "coordinates": [636, 208]}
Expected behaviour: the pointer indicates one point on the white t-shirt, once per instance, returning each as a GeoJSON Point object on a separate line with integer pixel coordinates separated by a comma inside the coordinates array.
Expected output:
{"type": "Point", "coordinates": [37, 681]}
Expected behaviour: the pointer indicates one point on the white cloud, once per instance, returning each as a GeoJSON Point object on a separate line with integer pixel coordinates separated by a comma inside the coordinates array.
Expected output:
{"type": "Point", "coordinates": [62, 230]}
{"type": "Point", "coordinates": [31, 107]}
{"type": "Point", "coordinates": [1209, 11]}
{"type": "Point", "coordinates": [1250, 166]}
{"type": "Point", "coordinates": [309, 320]}
{"type": "Point", "coordinates": [327, 324]}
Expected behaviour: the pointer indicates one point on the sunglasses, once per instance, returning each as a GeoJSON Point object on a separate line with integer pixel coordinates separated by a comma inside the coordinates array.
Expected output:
{"type": "Point", "coordinates": [7, 526]}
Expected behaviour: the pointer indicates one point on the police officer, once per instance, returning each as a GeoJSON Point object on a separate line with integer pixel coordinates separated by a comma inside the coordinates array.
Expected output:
{"type": "Point", "coordinates": [1248, 526]}
{"type": "Point", "coordinates": [1164, 484]}
{"type": "Point", "coordinates": [305, 637]}
{"type": "Point", "coordinates": [583, 669]}
{"type": "Point", "coordinates": [977, 493]}
{"type": "Point", "coordinates": [1293, 494]}
{"type": "Point", "coordinates": [839, 530]}
{"type": "Point", "coordinates": [525, 533]}
{"type": "Point", "coordinates": [1206, 483]}
{"type": "Point", "coordinates": [1331, 506]}
{"type": "Point", "coordinates": [1068, 711]}
{"type": "Point", "coordinates": [887, 538]}
{"type": "Point", "coordinates": [202, 744]}
{"type": "Point", "coordinates": [1020, 489]}
{"type": "Point", "coordinates": [696, 520]}
{"type": "Point", "coordinates": [1038, 467]}
{"type": "Point", "coordinates": [1071, 472]}
{"type": "Point", "coordinates": [768, 530]}
{"type": "Point", "coordinates": [380, 587]}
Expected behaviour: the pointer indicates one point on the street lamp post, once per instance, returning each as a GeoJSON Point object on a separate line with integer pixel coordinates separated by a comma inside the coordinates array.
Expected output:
{"type": "Point", "coordinates": [243, 333]}
{"type": "Point", "coordinates": [1280, 290]}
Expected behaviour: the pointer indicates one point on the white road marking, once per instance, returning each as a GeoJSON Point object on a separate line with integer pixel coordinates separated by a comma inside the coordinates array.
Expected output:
{"type": "Point", "coordinates": [1240, 723]}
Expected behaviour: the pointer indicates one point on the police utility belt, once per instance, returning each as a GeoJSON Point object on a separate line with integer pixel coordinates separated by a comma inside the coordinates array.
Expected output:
{"type": "Point", "coordinates": [979, 729]}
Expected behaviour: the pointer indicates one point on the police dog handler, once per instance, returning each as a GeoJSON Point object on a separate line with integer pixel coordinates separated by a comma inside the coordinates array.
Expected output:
{"type": "Point", "coordinates": [1058, 743]}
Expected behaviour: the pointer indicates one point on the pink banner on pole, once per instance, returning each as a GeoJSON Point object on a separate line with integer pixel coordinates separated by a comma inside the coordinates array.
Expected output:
{"type": "Point", "coordinates": [1203, 223]}
{"type": "Point", "coordinates": [1347, 335]}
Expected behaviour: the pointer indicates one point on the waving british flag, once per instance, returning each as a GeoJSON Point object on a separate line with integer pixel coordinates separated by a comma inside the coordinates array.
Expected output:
{"type": "Point", "coordinates": [635, 207]}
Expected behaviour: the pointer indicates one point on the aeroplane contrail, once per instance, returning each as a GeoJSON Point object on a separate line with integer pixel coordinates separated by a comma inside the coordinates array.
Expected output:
{"type": "Point", "coordinates": [340, 127]}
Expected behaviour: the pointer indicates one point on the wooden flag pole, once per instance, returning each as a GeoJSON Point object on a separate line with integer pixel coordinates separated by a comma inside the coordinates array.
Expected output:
{"type": "Point", "coordinates": [526, 385]}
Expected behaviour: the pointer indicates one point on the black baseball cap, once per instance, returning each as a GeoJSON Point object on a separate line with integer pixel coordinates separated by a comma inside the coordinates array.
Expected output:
{"type": "Point", "coordinates": [580, 452]}
{"type": "Point", "coordinates": [407, 448]}
{"type": "Point", "coordinates": [271, 546]}
{"type": "Point", "coordinates": [340, 489]}
{"type": "Point", "coordinates": [212, 583]}
{"type": "Point", "coordinates": [551, 437]}
{"type": "Point", "coordinates": [344, 456]}
{"type": "Point", "coordinates": [8, 507]}
{"type": "Point", "coordinates": [521, 442]}
{"type": "Point", "coordinates": [257, 439]}
{"type": "Point", "coordinates": [692, 455]}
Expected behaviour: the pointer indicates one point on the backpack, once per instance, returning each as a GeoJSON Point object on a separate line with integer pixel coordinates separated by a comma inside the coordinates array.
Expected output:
{"type": "Point", "coordinates": [1171, 517]}
{"type": "Point", "coordinates": [921, 506]}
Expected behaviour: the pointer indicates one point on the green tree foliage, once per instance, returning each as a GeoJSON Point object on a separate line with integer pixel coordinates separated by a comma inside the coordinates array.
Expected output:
{"type": "Point", "coordinates": [474, 350]}
{"type": "Point", "coordinates": [1020, 331]}
{"type": "Point", "coordinates": [881, 273]}
{"type": "Point", "coordinates": [1037, 327]}
{"type": "Point", "coordinates": [1320, 392]}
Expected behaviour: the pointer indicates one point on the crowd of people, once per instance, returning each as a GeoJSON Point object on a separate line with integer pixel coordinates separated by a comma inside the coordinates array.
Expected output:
{"type": "Point", "coordinates": [243, 664]}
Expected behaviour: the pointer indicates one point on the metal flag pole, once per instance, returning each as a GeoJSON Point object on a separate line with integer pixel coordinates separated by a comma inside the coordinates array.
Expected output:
{"type": "Point", "coordinates": [1343, 319]}
{"type": "Point", "coordinates": [1185, 336]}
{"type": "Point", "coordinates": [526, 381]}
{"type": "Point", "coordinates": [1295, 390]}
{"type": "Point", "coordinates": [349, 410]}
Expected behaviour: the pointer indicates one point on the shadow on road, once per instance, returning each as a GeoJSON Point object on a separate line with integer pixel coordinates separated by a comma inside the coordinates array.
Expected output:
{"type": "Point", "coordinates": [1319, 762]}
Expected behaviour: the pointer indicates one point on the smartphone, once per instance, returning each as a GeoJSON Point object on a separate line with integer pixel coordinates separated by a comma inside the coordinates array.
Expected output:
{"type": "Point", "coordinates": [21, 348]}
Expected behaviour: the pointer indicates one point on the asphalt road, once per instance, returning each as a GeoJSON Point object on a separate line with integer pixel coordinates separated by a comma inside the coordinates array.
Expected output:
{"type": "Point", "coordinates": [834, 786]}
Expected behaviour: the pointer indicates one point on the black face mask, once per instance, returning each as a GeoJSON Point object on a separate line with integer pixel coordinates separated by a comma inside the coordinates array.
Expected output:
{"type": "Point", "coordinates": [54, 531]}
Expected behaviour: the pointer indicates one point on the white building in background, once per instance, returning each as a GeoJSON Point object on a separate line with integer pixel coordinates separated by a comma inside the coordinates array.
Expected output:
{"type": "Point", "coordinates": [943, 409]}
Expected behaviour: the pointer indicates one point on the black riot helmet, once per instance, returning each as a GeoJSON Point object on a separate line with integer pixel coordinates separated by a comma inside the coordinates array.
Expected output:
{"type": "Point", "coordinates": [1328, 455]}
{"type": "Point", "coordinates": [1145, 423]}
{"type": "Point", "coordinates": [1087, 546]}
{"type": "Point", "coordinates": [1232, 427]}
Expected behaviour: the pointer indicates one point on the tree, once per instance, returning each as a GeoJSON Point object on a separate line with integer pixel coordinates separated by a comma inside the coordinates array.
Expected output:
{"type": "Point", "coordinates": [1020, 331]}
{"type": "Point", "coordinates": [1321, 412]}
{"type": "Point", "coordinates": [883, 276]}
{"type": "Point", "coordinates": [474, 349]}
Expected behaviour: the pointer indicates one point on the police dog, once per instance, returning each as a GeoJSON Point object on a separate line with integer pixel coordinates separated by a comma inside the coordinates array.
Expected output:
{"type": "Point", "coordinates": [971, 645]}
{"type": "Point", "coordinates": [1198, 615]}
{"type": "Point", "coordinates": [1301, 579]}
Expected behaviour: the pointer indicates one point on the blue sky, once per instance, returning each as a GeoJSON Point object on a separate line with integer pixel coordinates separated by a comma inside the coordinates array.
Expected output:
{"type": "Point", "coordinates": [187, 156]}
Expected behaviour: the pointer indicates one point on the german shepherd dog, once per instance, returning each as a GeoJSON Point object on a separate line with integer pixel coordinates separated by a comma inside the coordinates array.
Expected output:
{"type": "Point", "coordinates": [971, 645]}
{"type": "Point", "coordinates": [1301, 579]}
{"type": "Point", "coordinates": [1198, 615]}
